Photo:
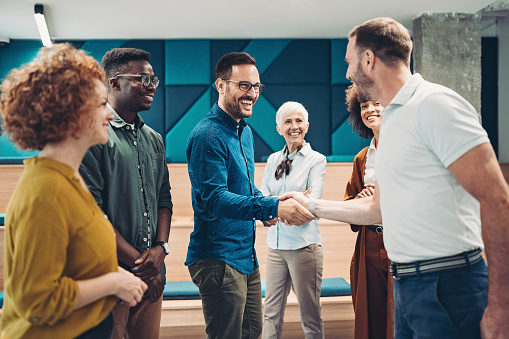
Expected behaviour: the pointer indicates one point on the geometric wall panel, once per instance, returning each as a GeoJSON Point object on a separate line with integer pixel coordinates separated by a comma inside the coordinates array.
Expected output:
{"type": "Point", "coordinates": [179, 99]}
{"type": "Point", "coordinates": [304, 61]}
{"type": "Point", "coordinates": [338, 63]}
{"type": "Point", "coordinates": [265, 51]}
{"type": "Point", "coordinates": [347, 142]}
{"type": "Point", "coordinates": [176, 138]}
{"type": "Point", "coordinates": [97, 48]}
{"type": "Point", "coordinates": [187, 62]}
{"type": "Point", "coordinates": [263, 123]}
{"type": "Point", "coordinates": [339, 108]}
{"type": "Point", "coordinates": [309, 71]}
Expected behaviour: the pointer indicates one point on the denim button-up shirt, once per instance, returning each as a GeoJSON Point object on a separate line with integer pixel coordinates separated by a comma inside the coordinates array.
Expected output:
{"type": "Point", "coordinates": [226, 203]}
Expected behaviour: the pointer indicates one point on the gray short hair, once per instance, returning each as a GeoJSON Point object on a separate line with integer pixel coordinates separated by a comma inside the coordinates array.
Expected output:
{"type": "Point", "coordinates": [288, 108]}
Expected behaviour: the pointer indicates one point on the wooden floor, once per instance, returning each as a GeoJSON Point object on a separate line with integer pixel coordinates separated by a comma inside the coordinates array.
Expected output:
{"type": "Point", "coordinates": [184, 319]}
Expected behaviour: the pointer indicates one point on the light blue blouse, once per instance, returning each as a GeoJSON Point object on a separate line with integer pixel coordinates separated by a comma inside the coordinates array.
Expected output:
{"type": "Point", "coordinates": [308, 170]}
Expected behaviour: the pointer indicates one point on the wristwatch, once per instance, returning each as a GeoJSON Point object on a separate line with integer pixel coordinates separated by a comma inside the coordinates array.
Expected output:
{"type": "Point", "coordinates": [164, 245]}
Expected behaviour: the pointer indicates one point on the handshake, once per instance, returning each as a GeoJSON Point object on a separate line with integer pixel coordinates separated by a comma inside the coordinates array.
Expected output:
{"type": "Point", "coordinates": [292, 209]}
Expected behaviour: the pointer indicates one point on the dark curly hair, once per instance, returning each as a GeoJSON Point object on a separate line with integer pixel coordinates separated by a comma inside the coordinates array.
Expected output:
{"type": "Point", "coordinates": [227, 61]}
{"type": "Point", "coordinates": [116, 60]}
{"type": "Point", "coordinates": [48, 99]}
{"type": "Point", "coordinates": [354, 107]}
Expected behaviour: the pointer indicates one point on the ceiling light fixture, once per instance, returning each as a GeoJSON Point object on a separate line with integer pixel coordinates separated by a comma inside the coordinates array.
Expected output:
{"type": "Point", "coordinates": [41, 24]}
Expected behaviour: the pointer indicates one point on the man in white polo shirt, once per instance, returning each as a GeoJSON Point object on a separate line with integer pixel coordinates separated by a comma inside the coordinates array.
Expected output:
{"type": "Point", "coordinates": [438, 180]}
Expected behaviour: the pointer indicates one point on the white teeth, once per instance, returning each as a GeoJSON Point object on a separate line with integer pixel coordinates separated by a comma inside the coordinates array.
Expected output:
{"type": "Point", "coordinates": [294, 134]}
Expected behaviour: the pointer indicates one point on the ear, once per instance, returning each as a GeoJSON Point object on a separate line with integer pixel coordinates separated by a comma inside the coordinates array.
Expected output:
{"type": "Point", "coordinates": [114, 84]}
{"type": "Point", "coordinates": [369, 59]}
{"type": "Point", "coordinates": [278, 130]}
{"type": "Point", "coordinates": [307, 126]}
{"type": "Point", "coordinates": [220, 86]}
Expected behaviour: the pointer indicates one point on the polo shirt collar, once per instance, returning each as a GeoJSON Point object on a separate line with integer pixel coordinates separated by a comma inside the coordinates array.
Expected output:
{"type": "Point", "coordinates": [408, 89]}
{"type": "Point", "coordinates": [118, 122]}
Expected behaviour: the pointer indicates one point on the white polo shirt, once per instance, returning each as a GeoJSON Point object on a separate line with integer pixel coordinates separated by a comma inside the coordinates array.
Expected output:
{"type": "Point", "coordinates": [426, 213]}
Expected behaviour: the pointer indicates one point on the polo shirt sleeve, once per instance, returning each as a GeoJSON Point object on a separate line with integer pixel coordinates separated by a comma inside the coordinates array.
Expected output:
{"type": "Point", "coordinates": [209, 171]}
{"type": "Point", "coordinates": [449, 126]}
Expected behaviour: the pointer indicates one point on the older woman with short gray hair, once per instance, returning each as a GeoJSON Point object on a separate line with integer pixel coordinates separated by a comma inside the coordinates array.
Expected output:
{"type": "Point", "coordinates": [295, 252]}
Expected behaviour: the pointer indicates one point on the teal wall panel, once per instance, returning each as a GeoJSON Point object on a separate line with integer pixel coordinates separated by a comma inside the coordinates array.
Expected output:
{"type": "Point", "coordinates": [346, 142]}
{"type": "Point", "coordinates": [176, 138]}
{"type": "Point", "coordinates": [311, 71]}
{"type": "Point", "coordinates": [17, 53]}
{"type": "Point", "coordinates": [10, 150]}
{"type": "Point", "coordinates": [187, 62]}
{"type": "Point", "coordinates": [338, 63]}
{"type": "Point", "coordinates": [97, 48]}
{"type": "Point", "coordinates": [263, 122]}
{"type": "Point", "coordinates": [266, 51]}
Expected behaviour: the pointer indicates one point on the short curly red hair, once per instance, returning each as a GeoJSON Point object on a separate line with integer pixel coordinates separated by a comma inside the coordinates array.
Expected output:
{"type": "Point", "coordinates": [48, 99]}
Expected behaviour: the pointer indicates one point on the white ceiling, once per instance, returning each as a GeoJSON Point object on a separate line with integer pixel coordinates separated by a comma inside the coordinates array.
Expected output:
{"type": "Point", "coordinates": [170, 19]}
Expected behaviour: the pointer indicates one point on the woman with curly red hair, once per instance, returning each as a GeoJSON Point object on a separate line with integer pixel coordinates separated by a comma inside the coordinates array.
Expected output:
{"type": "Point", "coordinates": [61, 273]}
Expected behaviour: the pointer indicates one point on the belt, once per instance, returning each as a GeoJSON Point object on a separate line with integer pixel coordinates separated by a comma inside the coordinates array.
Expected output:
{"type": "Point", "coordinates": [376, 229]}
{"type": "Point", "coordinates": [464, 259]}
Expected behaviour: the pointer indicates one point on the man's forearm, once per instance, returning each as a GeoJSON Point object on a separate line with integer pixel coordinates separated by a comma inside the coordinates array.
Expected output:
{"type": "Point", "coordinates": [163, 224]}
{"type": "Point", "coordinates": [358, 211]}
{"type": "Point", "coordinates": [126, 253]}
{"type": "Point", "coordinates": [494, 219]}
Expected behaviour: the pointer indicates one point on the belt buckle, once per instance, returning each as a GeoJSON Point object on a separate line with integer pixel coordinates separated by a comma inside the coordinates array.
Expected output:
{"type": "Point", "coordinates": [379, 230]}
{"type": "Point", "coordinates": [394, 271]}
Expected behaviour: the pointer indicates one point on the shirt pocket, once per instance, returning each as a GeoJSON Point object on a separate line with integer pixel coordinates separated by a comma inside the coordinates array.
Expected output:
{"type": "Point", "coordinates": [93, 248]}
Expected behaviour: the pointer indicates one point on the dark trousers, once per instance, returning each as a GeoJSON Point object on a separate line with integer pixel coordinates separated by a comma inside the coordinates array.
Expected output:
{"type": "Point", "coordinates": [443, 304]}
{"type": "Point", "coordinates": [101, 331]}
{"type": "Point", "coordinates": [232, 301]}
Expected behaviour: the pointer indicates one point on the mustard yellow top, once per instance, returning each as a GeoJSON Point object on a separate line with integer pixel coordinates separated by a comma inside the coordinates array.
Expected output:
{"type": "Point", "coordinates": [55, 234]}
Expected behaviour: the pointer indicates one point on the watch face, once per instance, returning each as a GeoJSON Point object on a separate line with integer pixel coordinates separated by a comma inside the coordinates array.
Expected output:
{"type": "Point", "coordinates": [166, 248]}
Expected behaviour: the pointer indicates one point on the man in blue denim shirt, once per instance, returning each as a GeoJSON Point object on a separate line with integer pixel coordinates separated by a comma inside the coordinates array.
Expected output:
{"type": "Point", "coordinates": [221, 255]}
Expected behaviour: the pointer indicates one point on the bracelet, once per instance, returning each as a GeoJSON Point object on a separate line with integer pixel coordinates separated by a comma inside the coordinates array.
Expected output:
{"type": "Point", "coordinates": [311, 206]}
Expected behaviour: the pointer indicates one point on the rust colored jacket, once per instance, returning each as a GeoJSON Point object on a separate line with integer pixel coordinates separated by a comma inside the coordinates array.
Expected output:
{"type": "Point", "coordinates": [358, 275]}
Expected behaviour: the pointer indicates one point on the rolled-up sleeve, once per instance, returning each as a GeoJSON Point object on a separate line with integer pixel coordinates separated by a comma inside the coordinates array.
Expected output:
{"type": "Point", "coordinates": [43, 295]}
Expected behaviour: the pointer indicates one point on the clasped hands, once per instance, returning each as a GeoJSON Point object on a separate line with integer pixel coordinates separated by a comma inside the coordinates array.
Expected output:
{"type": "Point", "coordinates": [148, 268]}
{"type": "Point", "coordinates": [292, 209]}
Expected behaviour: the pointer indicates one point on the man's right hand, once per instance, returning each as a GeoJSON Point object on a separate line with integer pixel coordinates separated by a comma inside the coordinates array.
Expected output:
{"type": "Point", "coordinates": [292, 212]}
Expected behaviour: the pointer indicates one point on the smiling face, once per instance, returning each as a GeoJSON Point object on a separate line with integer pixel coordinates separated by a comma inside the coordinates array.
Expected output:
{"type": "Point", "coordinates": [293, 128]}
{"type": "Point", "coordinates": [238, 104]}
{"type": "Point", "coordinates": [370, 114]}
{"type": "Point", "coordinates": [132, 95]}
{"type": "Point", "coordinates": [356, 74]}
{"type": "Point", "coordinates": [95, 130]}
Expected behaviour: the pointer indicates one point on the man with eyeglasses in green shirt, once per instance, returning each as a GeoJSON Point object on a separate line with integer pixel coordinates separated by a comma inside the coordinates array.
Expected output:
{"type": "Point", "coordinates": [129, 179]}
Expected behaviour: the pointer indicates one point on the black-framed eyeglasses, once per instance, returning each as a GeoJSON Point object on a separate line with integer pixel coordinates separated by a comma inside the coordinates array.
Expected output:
{"type": "Point", "coordinates": [246, 86]}
{"type": "Point", "coordinates": [145, 78]}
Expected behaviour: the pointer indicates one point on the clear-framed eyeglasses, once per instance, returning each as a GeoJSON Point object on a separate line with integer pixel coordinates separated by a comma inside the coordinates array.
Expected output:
{"type": "Point", "coordinates": [246, 86]}
{"type": "Point", "coordinates": [145, 78]}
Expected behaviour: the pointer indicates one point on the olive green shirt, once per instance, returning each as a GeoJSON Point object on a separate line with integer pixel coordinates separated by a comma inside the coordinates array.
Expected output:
{"type": "Point", "coordinates": [129, 179]}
